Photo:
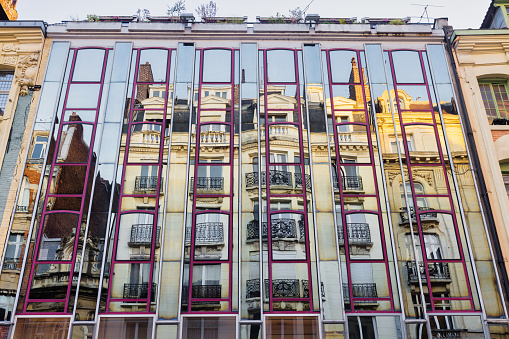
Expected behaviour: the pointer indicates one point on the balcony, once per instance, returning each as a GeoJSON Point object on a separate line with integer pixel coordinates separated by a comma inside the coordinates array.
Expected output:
{"type": "Point", "coordinates": [206, 233]}
{"type": "Point", "coordinates": [447, 333]}
{"type": "Point", "coordinates": [141, 235]}
{"type": "Point", "coordinates": [349, 182]}
{"type": "Point", "coordinates": [11, 264]}
{"type": "Point", "coordinates": [206, 291]}
{"type": "Point", "coordinates": [139, 291]}
{"type": "Point", "coordinates": [283, 228]}
{"type": "Point", "coordinates": [146, 184]}
{"type": "Point", "coordinates": [276, 178]}
{"type": "Point", "coordinates": [358, 234]}
{"type": "Point", "coordinates": [360, 291]}
{"type": "Point", "coordinates": [437, 272]}
{"type": "Point", "coordinates": [428, 217]}
{"type": "Point", "coordinates": [298, 181]}
{"type": "Point", "coordinates": [207, 184]}
{"type": "Point", "coordinates": [21, 209]}
{"type": "Point", "coordinates": [281, 288]}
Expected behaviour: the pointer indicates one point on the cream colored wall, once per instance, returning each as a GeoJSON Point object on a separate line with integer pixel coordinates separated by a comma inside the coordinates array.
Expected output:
{"type": "Point", "coordinates": [25, 51]}
{"type": "Point", "coordinates": [478, 57]}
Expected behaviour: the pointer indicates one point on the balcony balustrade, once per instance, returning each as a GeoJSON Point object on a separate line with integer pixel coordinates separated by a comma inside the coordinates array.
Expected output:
{"type": "Point", "coordinates": [282, 228]}
{"type": "Point", "coordinates": [208, 184]}
{"type": "Point", "coordinates": [141, 235]}
{"type": "Point", "coordinates": [358, 234]}
{"type": "Point", "coordinates": [206, 233]}
{"type": "Point", "coordinates": [146, 183]}
{"type": "Point", "coordinates": [428, 216]}
{"type": "Point", "coordinates": [281, 288]}
{"type": "Point", "coordinates": [437, 271]}
{"type": "Point", "coordinates": [139, 291]}
{"type": "Point", "coordinates": [298, 180]}
{"type": "Point", "coordinates": [276, 178]}
{"type": "Point", "coordinates": [349, 182]}
{"type": "Point", "coordinates": [447, 333]}
{"type": "Point", "coordinates": [21, 209]}
{"type": "Point", "coordinates": [360, 291]}
{"type": "Point", "coordinates": [11, 264]}
{"type": "Point", "coordinates": [206, 291]}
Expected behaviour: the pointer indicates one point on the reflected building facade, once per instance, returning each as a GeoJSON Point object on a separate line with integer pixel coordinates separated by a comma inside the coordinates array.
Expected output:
{"type": "Point", "coordinates": [271, 188]}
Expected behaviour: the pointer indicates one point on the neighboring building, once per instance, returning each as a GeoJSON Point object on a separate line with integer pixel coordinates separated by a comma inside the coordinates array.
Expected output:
{"type": "Point", "coordinates": [8, 10]}
{"type": "Point", "coordinates": [21, 55]}
{"type": "Point", "coordinates": [483, 72]}
{"type": "Point", "coordinates": [233, 180]}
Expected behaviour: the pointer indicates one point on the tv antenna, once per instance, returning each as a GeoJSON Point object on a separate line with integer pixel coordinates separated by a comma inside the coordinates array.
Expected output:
{"type": "Point", "coordinates": [306, 8]}
{"type": "Point", "coordinates": [425, 11]}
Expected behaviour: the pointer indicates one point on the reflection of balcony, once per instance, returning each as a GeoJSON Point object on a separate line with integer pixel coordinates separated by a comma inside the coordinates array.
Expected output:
{"type": "Point", "coordinates": [282, 228]}
{"type": "Point", "coordinates": [206, 291]}
{"type": "Point", "coordinates": [21, 209]}
{"type": "Point", "coordinates": [349, 182]}
{"type": "Point", "coordinates": [298, 180]}
{"type": "Point", "coordinates": [206, 233]}
{"type": "Point", "coordinates": [141, 235]}
{"type": "Point", "coordinates": [212, 137]}
{"type": "Point", "coordinates": [139, 291]}
{"type": "Point", "coordinates": [437, 271]}
{"type": "Point", "coordinates": [281, 288]}
{"type": "Point", "coordinates": [360, 291]}
{"type": "Point", "coordinates": [11, 264]}
{"type": "Point", "coordinates": [208, 184]}
{"type": "Point", "coordinates": [447, 333]}
{"type": "Point", "coordinates": [425, 217]}
{"type": "Point", "coordinates": [358, 234]}
{"type": "Point", "coordinates": [146, 183]}
{"type": "Point", "coordinates": [276, 178]}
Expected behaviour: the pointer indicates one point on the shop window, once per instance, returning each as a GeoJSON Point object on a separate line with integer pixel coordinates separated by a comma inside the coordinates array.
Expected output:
{"type": "Point", "coordinates": [496, 102]}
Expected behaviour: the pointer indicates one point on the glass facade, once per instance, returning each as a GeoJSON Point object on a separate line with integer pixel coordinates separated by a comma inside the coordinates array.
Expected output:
{"type": "Point", "coordinates": [249, 190]}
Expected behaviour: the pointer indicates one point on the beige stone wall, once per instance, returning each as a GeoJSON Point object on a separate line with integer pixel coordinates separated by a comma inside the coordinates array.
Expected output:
{"type": "Point", "coordinates": [25, 51]}
{"type": "Point", "coordinates": [487, 57]}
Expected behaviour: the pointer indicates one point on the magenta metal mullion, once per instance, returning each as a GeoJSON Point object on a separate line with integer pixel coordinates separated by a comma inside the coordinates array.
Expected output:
{"type": "Point", "coordinates": [213, 211]}
{"type": "Point", "coordinates": [39, 237]}
{"type": "Point", "coordinates": [226, 164]}
{"type": "Point", "coordinates": [450, 212]}
{"type": "Point", "coordinates": [284, 164]}
{"type": "Point", "coordinates": [285, 83]}
{"type": "Point", "coordinates": [213, 196]}
{"type": "Point", "coordinates": [142, 164]}
{"type": "Point", "coordinates": [432, 195]}
{"type": "Point", "coordinates": [368, 261]}
{"type": "Point", "coordinates": [59, 211]}
{"type": "Point", "coordinates": [52, 195]}
{"type": "Point", "coordinates": [410, 178]}
{"type": "Point", "coordinates": [417, 124]}
{"type": "Point", "coordinates": [296, 124]}
{"type": "Point", "coordinates": [89, 164]}
{"type": "Point", "coordinates": [458, 239]}
{"type": "Point", "coordinates": [340, 187]}
{"type": "Point", "coordinates": [283, 110]}
{"type": "Point", "coordinates": [288, 261]}
{"type": "Point", "coordinates": [210, 299]}
{"type": "Point", "coordinates": [46, 301]}
{"type": "Point", "coordinates": [379, 212]}
{"type": "Point", "coordinates": [304, 194]}
{"type": "Point", "coordinates": [124, 167]}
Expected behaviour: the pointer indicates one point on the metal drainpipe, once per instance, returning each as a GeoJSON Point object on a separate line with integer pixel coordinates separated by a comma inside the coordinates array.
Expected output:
{"type": "Point", "coordinates": [477, 170]}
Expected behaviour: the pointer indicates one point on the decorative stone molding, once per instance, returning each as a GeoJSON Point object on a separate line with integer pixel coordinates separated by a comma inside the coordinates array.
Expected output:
{"type": "Point", "coordinates": [27, 71]}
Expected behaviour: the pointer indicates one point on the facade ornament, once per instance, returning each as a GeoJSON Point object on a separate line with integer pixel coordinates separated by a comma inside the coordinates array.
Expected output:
{"type": "Point", "coordinates": [27, 66]}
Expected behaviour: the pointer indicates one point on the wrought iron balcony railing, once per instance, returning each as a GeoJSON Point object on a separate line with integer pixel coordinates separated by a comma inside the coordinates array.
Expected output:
{"type": "Point", "coordinates": [349, 182]}
{"type": "Point", "coordinates": [302, 229]}
{"type": "Point", "coordinates": [139, 291]}
{"type": "Point", "coordinates": [276, 178]}
{"type": "Point", "coordinates": [11, 264]}
{"type": "Point", "coordinates": [206, 233]}
{"type": "Point", "coordinates": [22, 209]}
{"type": "Point", "coordinates": [202, 291]}
{"type": "Point", "coordinates": [146, 183]}
{"type": "Point", "coordinates": [447, 333]}
{"type": "Point", "coordinates": [282, 228]}
{"type": "Point", "coordinates": [208, 184]}
{"type": "Point", "coordinates": [360, 291]}
{"type": "Point", "coordinates": [436, 270]}
{"type": "Point", "coordinates": [428, 216]}
{"type": "Point", "coordinates": [141, 235]}
{"type": "Point", "coordinates": [281, 288]}
{"type": "Point", "coordinates": [298, 180]}
{"type": "Point", "coordinates": [358, 234]}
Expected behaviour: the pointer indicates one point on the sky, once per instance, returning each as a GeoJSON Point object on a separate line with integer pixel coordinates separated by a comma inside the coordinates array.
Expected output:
{"type": "Point", "coordinates": [462, 14]}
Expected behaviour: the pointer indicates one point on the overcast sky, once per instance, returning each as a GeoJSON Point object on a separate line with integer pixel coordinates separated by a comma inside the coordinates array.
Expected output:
{"type": "Point", "coordinates": [461, 13]}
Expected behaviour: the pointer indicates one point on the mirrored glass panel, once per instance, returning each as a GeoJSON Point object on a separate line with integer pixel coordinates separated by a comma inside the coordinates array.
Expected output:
{"type": "Point", "coordinates": [58, 236]}
{"type": "Point", "coordinates": [153, 65]}
{"type": "Point", "coordinates": [88, 66]}
{"type": "Point", "coordinates": [281, 66]}
{"type": "Point", "coordinates": [407, 67]}
{"type": "Point", "coordinates": [217, 65]}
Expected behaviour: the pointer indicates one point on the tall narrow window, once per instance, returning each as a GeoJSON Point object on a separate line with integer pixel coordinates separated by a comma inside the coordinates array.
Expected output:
{"type": "Point", "coordinates": [6, 78]}
{"type": "Point", "coordinates": [496, 101]}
